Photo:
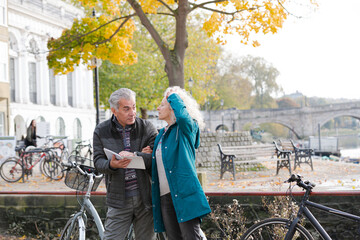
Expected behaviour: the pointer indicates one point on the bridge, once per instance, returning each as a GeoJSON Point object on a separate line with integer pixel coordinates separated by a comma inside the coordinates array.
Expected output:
{"type": "Point", "coordinates": [302, 121]}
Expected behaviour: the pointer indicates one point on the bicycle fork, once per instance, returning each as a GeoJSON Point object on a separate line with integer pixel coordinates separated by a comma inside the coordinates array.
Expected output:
{"type": "Point", "coordinates": [291, 232]}
{"type": "Point", "coordinates": [78, 217]}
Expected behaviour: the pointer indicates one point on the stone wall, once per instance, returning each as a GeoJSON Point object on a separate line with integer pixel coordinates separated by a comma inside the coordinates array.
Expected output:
{"type": "Point", "coordinates": [31, 215]}
{"type": "Point", "coordinates": [208, 156]}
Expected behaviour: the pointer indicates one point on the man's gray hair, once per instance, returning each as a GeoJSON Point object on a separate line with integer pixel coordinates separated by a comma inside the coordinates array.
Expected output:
{"type": "Point", "coordinates": [122, 93]}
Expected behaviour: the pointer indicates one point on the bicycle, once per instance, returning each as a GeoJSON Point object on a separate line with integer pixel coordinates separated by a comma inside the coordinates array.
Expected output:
{"type": "Point", "coordinates": [290, 229]}
{"type": "Point", "coordinates": [85, 179]}
{"type": "Point", "coordinates": [83, 152]}
{"type": "Point", "coordinates": [15, 168]}
{"type": "Point", "coordinates": [58, 147]}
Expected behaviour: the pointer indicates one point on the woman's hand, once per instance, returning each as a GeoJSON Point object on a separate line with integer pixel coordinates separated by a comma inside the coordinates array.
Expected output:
{"type": "Point", "coordinates": [147, 149]}
{"type": "Point", "coordinates": [171, 91]}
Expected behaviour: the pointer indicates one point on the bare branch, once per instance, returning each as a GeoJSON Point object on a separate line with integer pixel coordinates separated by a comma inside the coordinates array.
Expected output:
{"type": "Point", "coordinates": [202, 6]}
{"type": "Point", "coordinates": [288, 12]}
{"type": "Point", "coordinates": [167, 6]}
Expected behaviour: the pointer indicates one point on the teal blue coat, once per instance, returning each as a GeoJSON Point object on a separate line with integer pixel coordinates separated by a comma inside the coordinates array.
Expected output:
{"type": "Point", "coordinates": [178, 153]}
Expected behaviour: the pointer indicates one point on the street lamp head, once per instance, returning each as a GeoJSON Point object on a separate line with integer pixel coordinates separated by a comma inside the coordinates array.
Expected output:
{"type": "Point", "coordinates": [191, 82]}
{"type": "Point", "coordinates": [222, 102]}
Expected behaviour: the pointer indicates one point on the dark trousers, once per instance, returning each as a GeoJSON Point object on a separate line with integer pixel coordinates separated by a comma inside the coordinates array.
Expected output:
{"type": "Point", "coordinates": [189, 230]}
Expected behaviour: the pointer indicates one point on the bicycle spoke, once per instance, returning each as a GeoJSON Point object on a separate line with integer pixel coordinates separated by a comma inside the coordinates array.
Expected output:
{"type": "Point", "coordinates": [11, 170]}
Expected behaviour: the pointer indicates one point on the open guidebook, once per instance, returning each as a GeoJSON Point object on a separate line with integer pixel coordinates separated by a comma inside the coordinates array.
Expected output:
{"type": "Point", "coordinates": [136, 161]}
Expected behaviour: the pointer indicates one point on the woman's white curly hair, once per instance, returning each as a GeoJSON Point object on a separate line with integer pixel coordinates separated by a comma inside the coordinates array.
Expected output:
{"type": "Point", "coordinates": [191, 105]}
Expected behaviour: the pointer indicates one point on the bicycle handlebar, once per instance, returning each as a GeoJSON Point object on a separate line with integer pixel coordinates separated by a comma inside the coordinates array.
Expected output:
{"type": "Point", "coordinates": [298, 179]}
{"type": "Point", "coordinates": [84, 170]}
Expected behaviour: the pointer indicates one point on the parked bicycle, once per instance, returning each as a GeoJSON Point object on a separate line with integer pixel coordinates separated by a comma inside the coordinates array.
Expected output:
{"type": "Point", "coordinates": [15, 168]}
{"type": "Point", "coordinates": [57, 146]}
{"type": "Point", "coordinates": [290, 229]}
{"type": "Point", "coordinates": [83, 152]}
{"type": "Point", "coordinates": [85, 179]}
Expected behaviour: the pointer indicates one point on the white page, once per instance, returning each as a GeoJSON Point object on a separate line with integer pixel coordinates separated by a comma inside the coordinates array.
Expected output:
{"type": "Point", "coordinates": [136, 161]}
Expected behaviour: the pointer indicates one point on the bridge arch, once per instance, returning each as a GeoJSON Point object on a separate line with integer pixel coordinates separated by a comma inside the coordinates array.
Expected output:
{"type": "Point", "coordinates": [282, 123]}
{"type": "Point", "coordinates": [327, 119]}
{"type": "Point", "coordinates": [303, 121]}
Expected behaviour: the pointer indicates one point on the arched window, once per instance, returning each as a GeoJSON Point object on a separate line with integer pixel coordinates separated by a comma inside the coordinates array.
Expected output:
{"type": "Point", "coordinates": [40, 119]}
{"type": "Point", "coordinates": [77, 129]}
{"type": "Point", "coordinates": [19, 127]}
{"type": "Point", "coordinates": [60, 127]}
{"type": "Point", "coordinates": [13, 64]}
{"type": "Point", "coordinates": [33, 47]}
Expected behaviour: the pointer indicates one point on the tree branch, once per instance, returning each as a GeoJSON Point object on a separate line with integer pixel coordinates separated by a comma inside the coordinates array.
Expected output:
{"type": "Point", "coordinates": [202, 6]}
{"type": "Point", "coordinates": [117, 30]}
{"type": "Point", "coordinates": [167, 6]}
{"type": "Point", "coordinates": [78, 37]}
{"type": "Point", "coordinates": [151, 29]}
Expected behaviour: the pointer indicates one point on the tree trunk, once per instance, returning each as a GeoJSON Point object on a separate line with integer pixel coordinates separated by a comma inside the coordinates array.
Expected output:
{"type": "Point", "coordinates": [174, 68]}
{"type": "Point", "coordinates": [174, 59]}
{"type": "Point", "coordinates": [144, 114]}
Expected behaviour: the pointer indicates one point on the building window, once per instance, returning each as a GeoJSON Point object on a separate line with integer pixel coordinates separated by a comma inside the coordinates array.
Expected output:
{"type": "Point", "coordinates": [77, 129]}
{"type": "Point", "coordinates": [52, 87]}
{"type": "Point", "coordinates": [3, 77]}
{"type": "Point", "coordinates": [2, 12]}
{"type": "Point", "coordinates": [70, 89]}
{"type": "Point", "coordinates": [12, 79]}
{"type": "Point", "coordinates": [2, 124]}
{"type": "Point", "coordinates": [32, 82]}
{"type": "Point", "coordinates": [60, 127]}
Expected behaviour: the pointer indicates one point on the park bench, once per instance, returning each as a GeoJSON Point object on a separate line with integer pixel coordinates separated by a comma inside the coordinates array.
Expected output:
{"type": "Point", "coordinates": [252, 154]}
{"type": "Point", "coordinates": [301, 155]}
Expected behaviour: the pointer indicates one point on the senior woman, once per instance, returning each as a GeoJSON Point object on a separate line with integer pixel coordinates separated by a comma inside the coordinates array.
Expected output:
{"type": "Point", "coordinates": [179, 201]}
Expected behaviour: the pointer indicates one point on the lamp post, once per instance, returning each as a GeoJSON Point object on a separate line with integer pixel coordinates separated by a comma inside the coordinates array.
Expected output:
{"type": "Point", "coordinates": [97, 64]}
{"type": "Point", "coordinates": [96, 79]}
{"type": "Point", "coordinates": [222, 114]}
{"type": "Point", "coordinates": [191, 83]}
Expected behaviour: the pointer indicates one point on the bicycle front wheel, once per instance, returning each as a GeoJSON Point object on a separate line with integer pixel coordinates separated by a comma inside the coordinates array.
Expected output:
{"type": "Point", "coordinates": [74, 229]}
{"type": "Point", "coordinates": [275, 229]}
{"type": "Point", "coordinates": [12, 170]}
{"type": "Point", "coordinates": [52, 169]}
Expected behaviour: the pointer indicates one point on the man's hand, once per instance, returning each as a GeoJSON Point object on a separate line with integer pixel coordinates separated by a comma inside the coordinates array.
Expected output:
{"type": "Point", "coordinates": [121, 163]}
{"type": "Point", "coordinates": [147, 149]}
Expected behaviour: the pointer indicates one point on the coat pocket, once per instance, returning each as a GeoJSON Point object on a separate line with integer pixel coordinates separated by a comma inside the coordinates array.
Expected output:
{"type": "Point", "coordinates": [186, 184]}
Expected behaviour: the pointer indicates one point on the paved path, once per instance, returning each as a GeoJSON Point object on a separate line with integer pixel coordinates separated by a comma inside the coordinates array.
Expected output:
{"type": "Point", "coordinates": [327, 175]}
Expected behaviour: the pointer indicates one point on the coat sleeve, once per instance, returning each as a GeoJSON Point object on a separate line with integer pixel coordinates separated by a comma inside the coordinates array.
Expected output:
{"type": "Point", "coordinates": [102, 164]}
{"type": "Point", "coordinates": [183, 118]}
{"type": "Point", "coordinates": [151, 133]}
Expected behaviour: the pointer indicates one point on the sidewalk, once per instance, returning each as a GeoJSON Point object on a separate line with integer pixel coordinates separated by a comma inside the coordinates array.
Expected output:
{"type": "Point", "coordinates": [327, 175]}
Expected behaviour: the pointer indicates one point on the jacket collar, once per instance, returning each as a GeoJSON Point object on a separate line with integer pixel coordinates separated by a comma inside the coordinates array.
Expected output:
{"type": "Point", "coordinates": [116, 126]}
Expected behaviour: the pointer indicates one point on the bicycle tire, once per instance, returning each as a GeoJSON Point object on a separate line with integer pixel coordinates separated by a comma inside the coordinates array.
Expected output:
{"type": "Point", "coordinates": [12, 170]}
{"type": "Point", "coordinates": [73, 232]}
{"type": "Point", "coordinates": [275, 229]}
{"type": "Point", "coordinates": [52, 169]}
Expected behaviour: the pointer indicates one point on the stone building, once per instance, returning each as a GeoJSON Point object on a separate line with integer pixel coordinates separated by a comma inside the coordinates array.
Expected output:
{"type": "Point", "coordinates": [29, 89]}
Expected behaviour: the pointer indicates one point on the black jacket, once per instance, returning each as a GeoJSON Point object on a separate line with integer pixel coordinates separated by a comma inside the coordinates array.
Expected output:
{"type": "Point", "coordinates": [106, 135]}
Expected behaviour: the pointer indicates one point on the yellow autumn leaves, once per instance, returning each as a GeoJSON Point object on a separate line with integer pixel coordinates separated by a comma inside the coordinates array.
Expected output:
{"type": "Point", "coordinates": [107, 36]}
{"type": "Point", "coordinates": [244, 18]}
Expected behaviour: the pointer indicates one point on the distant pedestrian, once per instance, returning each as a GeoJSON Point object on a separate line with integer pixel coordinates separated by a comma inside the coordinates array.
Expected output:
{"type": "Point", "coordinates": [179, 201]}
{"type": "Point", "coordinates": [30, 139]}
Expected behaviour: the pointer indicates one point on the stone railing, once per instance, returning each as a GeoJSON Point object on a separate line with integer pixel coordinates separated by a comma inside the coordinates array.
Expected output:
{"type": "Point", "coordinates": [207, 156]}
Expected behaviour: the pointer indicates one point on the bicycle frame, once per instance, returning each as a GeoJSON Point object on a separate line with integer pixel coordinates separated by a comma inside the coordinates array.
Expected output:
{"type": "Point", "coordinates": [87, 206]}
{"type": "Point", "coordinates": [304, 210]}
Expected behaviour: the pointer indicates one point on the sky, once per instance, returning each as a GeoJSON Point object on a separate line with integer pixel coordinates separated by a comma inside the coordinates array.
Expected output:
{"type": "Point", "coordinates": [317, 55]}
